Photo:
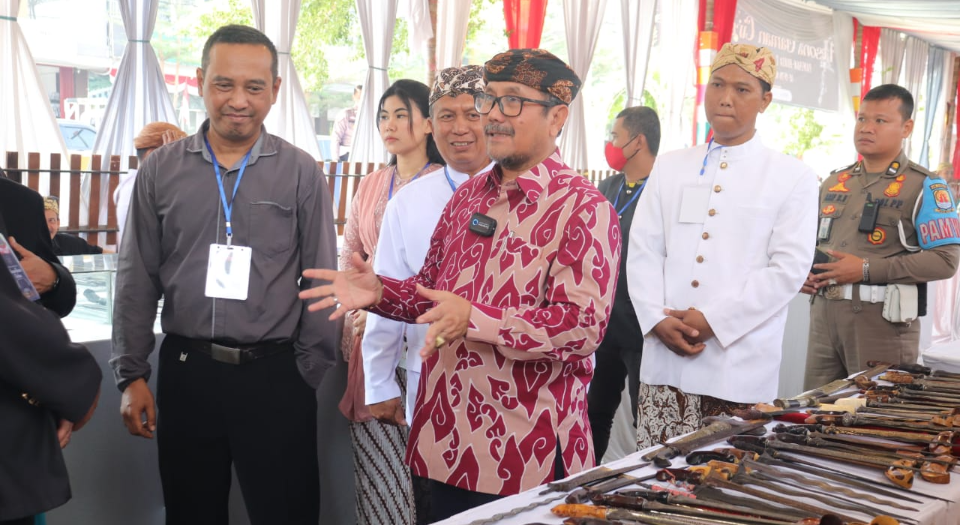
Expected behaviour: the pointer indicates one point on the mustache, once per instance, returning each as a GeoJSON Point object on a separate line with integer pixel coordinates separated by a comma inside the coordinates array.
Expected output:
{"type": "Point", "coordinates": [498, 128]}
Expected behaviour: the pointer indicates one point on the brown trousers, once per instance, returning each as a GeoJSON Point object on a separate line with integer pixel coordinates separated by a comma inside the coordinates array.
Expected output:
{"type": "Point", "coordinates": [845, 334]}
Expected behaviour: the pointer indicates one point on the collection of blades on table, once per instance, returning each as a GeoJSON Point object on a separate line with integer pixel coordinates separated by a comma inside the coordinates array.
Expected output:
{"type": "Point", "coordinates": [906, 431]}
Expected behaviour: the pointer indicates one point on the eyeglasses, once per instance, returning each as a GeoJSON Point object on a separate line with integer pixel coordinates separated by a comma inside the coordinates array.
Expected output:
{"type": "Point", "coordinates": [510, 105]}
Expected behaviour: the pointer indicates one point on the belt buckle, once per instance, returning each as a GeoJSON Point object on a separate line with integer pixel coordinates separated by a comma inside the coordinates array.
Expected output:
{"type": "Point", "coordinates": [225, 354]}
{"type": "Point", "coordinates": [834, 292]}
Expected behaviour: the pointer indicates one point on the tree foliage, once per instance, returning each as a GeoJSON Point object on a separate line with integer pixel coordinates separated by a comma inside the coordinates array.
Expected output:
{"type": "Point", "coordinates": [807, 133]}
{"type": "Point", "coordinates": [322, 23]}
{"type": "Point", "coordinates": [477, 21]}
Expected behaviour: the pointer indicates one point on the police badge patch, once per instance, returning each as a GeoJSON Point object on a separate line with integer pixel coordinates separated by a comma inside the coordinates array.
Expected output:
{"type": "Point", "coordinates": [942, 197]}
{"type": "Point", "coordinates": [893, 190]}
{"type": "Point", "coordinates": [937, 222]}
{"type": "Point", "coordinates": [840, 187]}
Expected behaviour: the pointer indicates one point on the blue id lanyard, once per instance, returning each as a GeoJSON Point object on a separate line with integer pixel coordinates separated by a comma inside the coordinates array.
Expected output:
{"type": "Point", "coordinates": [707, 156]}
{"type": "Point", "coordinates": [227, 207]}
{"type": "Point", "coordinates": [629, 202]}
{"type": "Point", "coordinates": [453, 185]}
{"type": "Point", "coordinates": [390, 195]}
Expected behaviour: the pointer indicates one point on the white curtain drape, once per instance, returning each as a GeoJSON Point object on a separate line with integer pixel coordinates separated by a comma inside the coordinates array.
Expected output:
{"type": "Point", "coordinates": [892, 47]}
{"type": "Point", "coordinates": [452, 19]}
{"type": "Point", "coordinates": [139, 95]}
{"type": "Point", "coordinates": [946, 139]}
{"type": "Point", "coordinates": [914, 69]}
{"type": "Point", "coordinates": [582, 19]}
{"type": "Point", "coordinates": [28, 124]}
{"type": "Point", "coordinates": [259, 14]}
{"type": "Point", "coordinates": [419, 28]}
{"type": "Point", "coordinates": [636, 17]}
{"type": "Point", "coordinates": [290, 117]}
{"type": "Point", "coordinates": [933, 101]}
{"type": "Point", "coordinates": [678, 42]}
{"type": "Point", "coordinates": [843, 47]}
{"type": "Point", "coordinates": [377, 19]}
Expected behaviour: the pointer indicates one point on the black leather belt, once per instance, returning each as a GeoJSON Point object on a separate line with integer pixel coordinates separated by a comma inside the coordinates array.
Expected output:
{"type": "Point", "coordinates": [231, 353]}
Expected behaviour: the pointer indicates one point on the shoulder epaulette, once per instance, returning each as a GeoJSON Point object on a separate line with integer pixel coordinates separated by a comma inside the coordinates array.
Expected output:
{"type": "Point", "coordinates": [916, 167]}
{"type": "Point", "coordinates": [845, 168]}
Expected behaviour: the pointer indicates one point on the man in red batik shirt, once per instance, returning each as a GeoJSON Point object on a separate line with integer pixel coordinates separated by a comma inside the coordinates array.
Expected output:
{"type": "Point", "coordinates": [517, 287]}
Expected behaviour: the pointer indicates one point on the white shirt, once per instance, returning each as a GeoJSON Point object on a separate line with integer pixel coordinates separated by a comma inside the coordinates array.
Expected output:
{"type": "Point", "coordinates": [121, 197]}
{"type": "Point", "coordinates": [756, 234]}
{"type": "Point", "coordinates": [408, 224]}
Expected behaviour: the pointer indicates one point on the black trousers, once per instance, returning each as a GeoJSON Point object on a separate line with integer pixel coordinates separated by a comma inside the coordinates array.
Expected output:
{"type": "Point", "coordinates": [448, 500]}
{"type": "Point", "coordinates": [259, 417]}
{"type": "Point", "coordinates": [19, 521]}
{"type": "Point", "coordinates": [616, 361]}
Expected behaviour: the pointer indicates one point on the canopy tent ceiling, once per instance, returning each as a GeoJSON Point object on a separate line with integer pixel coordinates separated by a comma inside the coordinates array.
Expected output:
{"type": "Point", "coordinates": [935, 21]}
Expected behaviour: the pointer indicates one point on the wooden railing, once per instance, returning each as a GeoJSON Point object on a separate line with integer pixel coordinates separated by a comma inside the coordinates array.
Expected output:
{"type": "Point", "coordinates": [343, 179]}
{"type": "Point", "coordinates": [30, 175]}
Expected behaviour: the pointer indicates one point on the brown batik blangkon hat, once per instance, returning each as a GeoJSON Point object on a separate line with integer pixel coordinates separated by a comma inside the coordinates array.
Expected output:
{"type": "Point", "coordinates": [455, 81]}
{"type": "Point", "coordinates": [536, 68]}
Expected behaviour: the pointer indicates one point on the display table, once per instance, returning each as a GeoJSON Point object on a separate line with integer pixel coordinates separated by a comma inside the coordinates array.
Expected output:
{"type": "Point", "coordinates": [931, 512]}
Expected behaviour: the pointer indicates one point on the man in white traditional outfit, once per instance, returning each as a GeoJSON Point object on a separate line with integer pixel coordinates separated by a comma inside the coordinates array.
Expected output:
{"type": "Point", "coordinates": [722, 239]}
{"type": "Point", "coordinates": [408, 224]}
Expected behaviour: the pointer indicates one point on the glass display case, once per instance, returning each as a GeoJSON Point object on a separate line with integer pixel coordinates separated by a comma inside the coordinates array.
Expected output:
{"type": "Point", "coordinates": [92, 317]}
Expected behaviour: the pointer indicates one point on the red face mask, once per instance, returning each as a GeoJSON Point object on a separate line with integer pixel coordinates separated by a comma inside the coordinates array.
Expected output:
{"type": "Point", "coordinates": [615, 157]}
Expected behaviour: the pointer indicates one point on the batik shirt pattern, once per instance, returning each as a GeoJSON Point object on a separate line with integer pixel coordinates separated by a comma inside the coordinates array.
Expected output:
{"type": "Point", "coordinates": [492, 406]}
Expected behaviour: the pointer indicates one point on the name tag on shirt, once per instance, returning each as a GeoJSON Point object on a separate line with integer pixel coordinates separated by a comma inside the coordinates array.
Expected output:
{"type": "Point", "coordinates": [13, 264]}
{"type": "Point", "coordinates": [694, 203]}
{"type": "Point", "coordinates": [228, 272]}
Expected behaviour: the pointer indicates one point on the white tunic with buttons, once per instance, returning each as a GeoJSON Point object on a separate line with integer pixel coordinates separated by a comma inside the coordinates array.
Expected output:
{"type": "Point", "coordinates": [740, 264]}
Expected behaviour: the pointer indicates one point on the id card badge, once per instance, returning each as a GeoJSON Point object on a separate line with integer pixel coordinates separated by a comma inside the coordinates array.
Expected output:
{"type": "Point", "coordinates": [694, 204]}
{"type": "Point", "coordinates": [823, 232]}
{"type": "Point", "coordinates": [228, 272]}
{"type": "Point", "coordinates": [16, 270]}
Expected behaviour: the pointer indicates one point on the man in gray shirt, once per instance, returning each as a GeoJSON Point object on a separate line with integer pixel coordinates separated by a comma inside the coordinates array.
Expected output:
{"type": "Point", "coordinates": [221, 224]}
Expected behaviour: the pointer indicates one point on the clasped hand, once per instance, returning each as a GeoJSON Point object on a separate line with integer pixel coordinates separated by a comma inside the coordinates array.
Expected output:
{"type": "Point", "coordinates": [684, 331]}
{"type": "Point", "coordinates": [846, 269]}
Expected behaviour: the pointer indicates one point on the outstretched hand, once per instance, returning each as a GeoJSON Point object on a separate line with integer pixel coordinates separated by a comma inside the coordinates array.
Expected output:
{"type": "Point", "coordinates": [348, 290]}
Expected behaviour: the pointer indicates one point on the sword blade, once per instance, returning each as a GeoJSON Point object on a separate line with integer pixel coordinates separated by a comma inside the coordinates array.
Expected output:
{"type": "Point", "coordinates": [874, 485]}
{"type": "Point", "coordinates": [724, 484]}
{"type": "Point", "coordinates": [798, 479]}
{"type": "Point", "coordinates": [779, 459]}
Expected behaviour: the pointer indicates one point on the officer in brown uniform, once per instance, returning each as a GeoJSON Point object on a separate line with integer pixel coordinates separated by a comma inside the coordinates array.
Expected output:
{"type": "Point", "coordinates": [883, 243]}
